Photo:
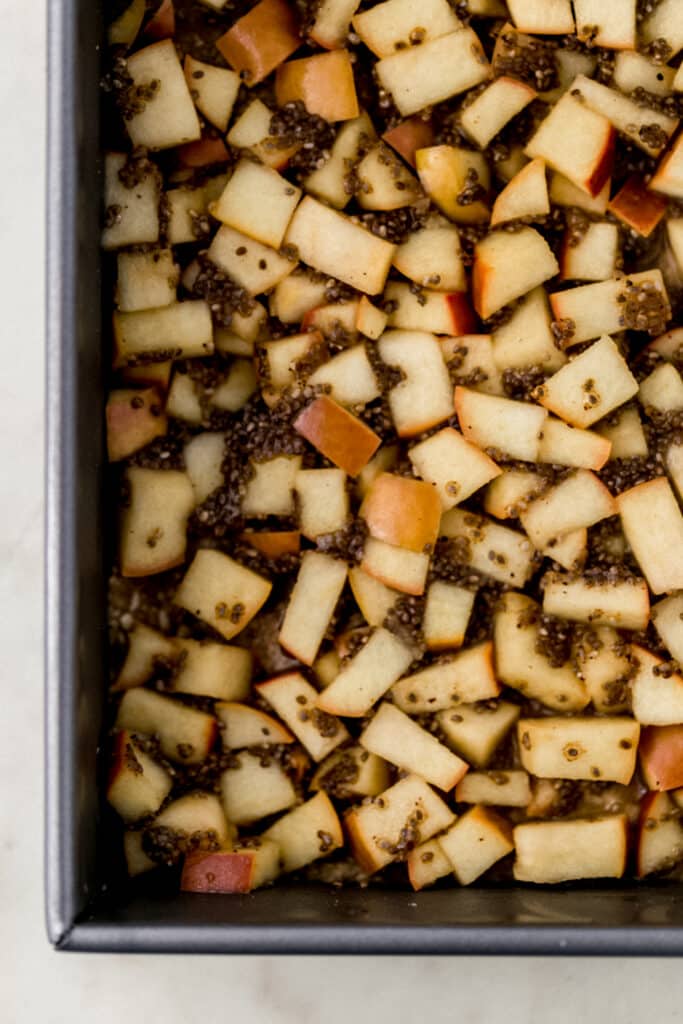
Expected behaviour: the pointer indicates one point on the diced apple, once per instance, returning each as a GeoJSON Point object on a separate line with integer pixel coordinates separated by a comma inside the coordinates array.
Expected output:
{"type": "Point", "coordinates": [526, 339]}
{"type": "Point", "coordinates": [214, 90]}
{"type": "Point", "coordinates": [562, 445]}
{"type": "Point", "coordinates": [278, 360]}
{"type": "Point", "coordinates": [123, 30]}
{"type": "Point", "coordinates": [633, 70]}
{"type": "Point", "coordinates": [179, 331]}
{"type": "Point", "coordinates": [240, 870]}
{"type": "Point", "coordinates": [662, 390]}
{"type": "Point", "coordinates": [577, 141]}
{"type": "Point", "coordinates": [137, 785]}
{"type": "Point", "coordinates": [168, 117]}
{"type": "Point", "coordinates": [324, 83]}
{"type": "Point", "coordinates": [549, 17]}
{"type": "Point", "coordinates": [660, 834]}
{"type": "Point", "coordinates": [393, 736]}
{"type": "Point", "coordinates": [260, 40]}
{"type": "Point", "coordinates": [431, 258]}
{"type": "Point", "coordinates": [661, 756]}
{"type": "Point", "coordinates": [370, 320]}
{"type": "Point", "coordinates": [203, 153]}
{"type": "Point", "coordinates": [437, 312]}
{"type": "Point", "coordinates": [667, 617]}
{"type": "Point", "coordinates": [612, 26]}
{"type": "Point", "coordinates": [252, 788]}
{"type": "Point", "coordinates": [373, 598]}
{"type": "Point", "coordinates": [351, 772]}
{"type": "Point", "coordinates": [579, 748]}
{"type": "Point", "coordinates": [471, 360]}
{"type": "Point", "coordinates": [337, 434]}
{"type": "Point", "coordinates": [664, 22]}
{"type": "Point", "coordinates": [656, 691]}
{"type": "Point", "coordinates": [626, 115]}
{"type": "Point", "coordinates": [589, 387]}
{"type": "Point", "coordinates": [270, 489]}
{"type": "Point", "coordinates": [384, 182]}
{"type": "Point", "coordinates": [603, 660]}
{"type": "Point", "coordinates": [137, 861]}
{"type": "Point", "coordinates": [404, 816]}
{"type": "Point", "coordinates": [185, 735]}
{"type": "Point", "coordinates": [134, 418]}
{"type": "Point", "coordinates": [331, 23]}
{"type": "Point", "coordinates": [508, 265]}
{"type": "Point", "coordinates": [330, 182]}
{"type": "Point", "coordinates": [254, 266]}
{"type": "Point", "coordinates": [267, 220]}
{"type": "Point", "coordinates": [311, 605]}
{"type": "Point", "coordinates": [146, 649]}
{"type": "Point", "coordinates": [295, 701]}
{"type": "Point", "coordinates": [475, 842]}
{"type": "Point", "coordinates": [295, 296]}
{"type": "Point", "coordinates": [384, 461]}
{"type": "Point", "coordinates": [196, 822]}
{"type": "Point", "coordinates": [131, 214]}
{"type": "Point", "coordinates": [593, 257]}
{"type": "Point", "coordinates": [367, 676]}
{"type": "Point", "coordinates": [330, 317]}
{"type": "Point", "coordinates": [496, 788]}
{"type": "Point", "coordinates": [156, 375]}
{"type": "Point", "coordinates": [427, 863]}
{"type": "Point", "coordinates": [454, 467]}
{"type": "Point", "coordinates": [204, 456]}
{"type": "Point", "coordinates": [560, 851]}
{"type": "Point", "coordinates": [408, 136]}
{"type": "Point", "coordinates": [447, 612]}
{"type": "Point", "coordinates": [476, 731]}
{"type": "Point", "coordinates": [653, 525]}
{"type": "Point", "coordinates": [396, 25]}
{"type": "Point", "coordinates": [493, 550]}
{"type": "Point", "coordinates": [273, 543]}
{"type": "Point", "coordinates": [424, 396]}
{"type": "Point", "coordinates": [490, 111]}
{"type": "Point", "coordinates": [212, 670]}
{"type": "Point", "coordinates": [622, 604]}
{"type": "Point", "coordinates": [626, 434]}
{"type": "Point", "coordinates": [235, 390]}
{"type": "Point", "coordinates": [489, 421]}
{"type": "Point", "coordinates": [511, 492]}
{"type": "Point", "coordinates": [244, 726]}
{"type": "Point", "coordinates": [402, 512]}
{"type": "Point", "coordinates": [447, 173]}
{"type": "Point", "coordinates": [154, 521]}
{"type": "Point", "coordinates": [525, 195]}
{"type": "Point", "coordinates": [462, 678]}
{"type": "Point", "coordinates": [420, 76]}
{"type": "Point", "coordinates": [146, 280]}
{"type": "Point", "coordinates": [349, 376]}
{"type": "Point", "coordinates": [322, 501]}
{"type": "Point", "coordinates": [636, 207]}
{"type": "Point", "coordinates": [521, 664]}
{"type": "Point", "coordinates": [396, 567]}
{"type": "Point", "coordinates": [668, 178]}
{"type": "Point", "coordinates": [578, 501]}
{"type": "Point", "coordinates": [307, 832]}
{"type": "Point", "coordinates": [251, 131]}
{"type": "Point", "coordinates": [223, 593]}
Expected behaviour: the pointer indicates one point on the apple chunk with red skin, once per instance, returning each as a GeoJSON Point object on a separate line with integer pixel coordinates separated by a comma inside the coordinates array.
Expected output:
{"type": "Point", "coordinates": [577, 142]}
{"type": "Point", "coordinates": [134, 418]}
{"type": "Point", "coordinates": [337, 434]}
{"type": "Point", "coordinates": [264, 37]}
{"type": "Point", "coordinates": [408, 136]}
{"type": "Point", "coordinates": [660, 835]}
{"type": "Point", "coordinates": [402, 512]}
{"type": "Point", "coordinates": [507, 266]}
{"type": "Point", "coordinates": [323, 83]}
{"type": "Point", "coordinates": [231, 871]}
{"type": "Point", "coordinates": [661, 756]}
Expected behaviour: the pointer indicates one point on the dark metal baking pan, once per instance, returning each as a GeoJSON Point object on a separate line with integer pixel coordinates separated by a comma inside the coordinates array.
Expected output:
{"type": "Point", "coordinates": [87, 908]}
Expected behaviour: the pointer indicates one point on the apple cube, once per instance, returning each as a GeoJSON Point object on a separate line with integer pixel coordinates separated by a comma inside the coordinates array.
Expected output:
{"type": "Point", "coordinates": [447, 174]}
{"type": "Point", "coordinates": [548, 17]}
{"type": "Point", "coordinates": [438, 312]}
{"type": "Point", "coordinates": [311, 605]}
{"type": "Point", "coordinates": [612, 26]}
{"type": "Point", "coordinates": [384, 182]}
{"type": "Point", "coordinates": [351, 772]}
{"type": "Point", "coordinates": [447, 612]}
{"type": "Point", "coordinates": [253, 787]}
{"type": "Point", "coordinates": [331, 181]}
{"type": "Point", "coordinates": [373, 598]}
{"type": "Point", "coordinates": [134, 418]}
{"type": "Point", "coordinates": [146, 280]}
{"type": "Point", "coordinates": [579, 748]}
{"type": "Point", "coordinates": [203, 153]}
{"type": "Point", "coordinates": [669, 344]}
{"type": "Point", "coordinates": [633, 70]}
{"type": "Point", "coordinates": [424, 396]}
{"type": "Point", "coordinates": [674, 234]}
{"type": "Point", "coordinates": [564, 192]}
{"type": "Point", "coordinates": [493, 550]}
{"type": "Point", "coordinates": [525, 195]}
{"type": "Point", "coordinates": [270, 490]}
{"type": "Point", "coordinates": [131, 214]}
{"type": "Point", "coordinates": [203, 457]}
{"type": "Point", "coordinates": [560, 851]}
{"type": "Point", "coordinates": [471, 360]}
{"type": "Point", "coordinates": [431, 258]}
{"type": "Point", "coordinates": [603, 662]}
{"type": "Point", "coordinates": [475, 842]}
{"type": "Point", "coordinates": [667, 617]}
{"type": "Point", "coordinates": [653, 525]}
{"type": "Point", "coordinates": [661, 756]}
{"type": "Point", "coordinates": [490, 111]}
{"type": "Point", "coordinates": [521, 664]}
{"type": "Point", "coordinates": [589, 387]}
{"type": "Point", "coordinates": [511, 492]}
{"type": "Point", "coordinates": [235, 390]}
{"type": "Point", "coordinates": [179, 331]}
{"type": "Point", "coordinates": [462, 678]}
{"type": "Point", "coordinates": [578, 141]}
{"type": "Point", "coordinates": [396, 567]}
{"type": "Point", "coordinates": [273, 543]}
{"type": "Point", "coordinates": [384, 461]}
{"type": "Point", "coordinates": [656, 691]}
{"type": "Point", "coordinates": [364, 679]}
{"type": "Point", "coordinates": [579, 500]}
{"type": "Point", "coordinates": [324, 83]}
{"type": "Point", "coordinates": [625, 114]}
{"type": "Point", "coordinates": [421, 76]}
{"type": "Point", "coordinates": [243, 726]}
{"type": "Point", "coordinates": [123, 30]}
{"type": "Point", "coordinates": [408, 136]}
{"type": "Point", "coordinates": [404, 816]}
{"type": "Point", "coordinates": [349, 376]}
{"type": "Point", "coordinates": [137, 785]}
{"type": "Point", "coordinates": [239, 870]}
{"type": "Point", "coordinates": [307, 832]}
{"type": "Point", "coordinates": [256, 267]}
{"type": "Point", "coordinates": [660, 834]}
{"type": "Point", "coordinates": [223, 593]}
{"type": "Point", "coordinates": [507, 266]}
{"type": "Point", "coordinates": [454, 467]}
{"type": "Point", "coordinates": [295, 296]}
{"type": "Point", "coordinates": [593, 257]}
{"type": "Point", "coordinates": [426, 864]}
{"type": "Point", "coordinates": [502, 424]}
{"type": "Point", "coordinates": [394, 736]}
{"type": "Point", "coordinates": [322, 501]}
{"type": "Point", "coordinates": [476, 731]}
{"type": "Point", "coordinates": [153, 529]}
{"type": "Point", "coordinates": [197, 823]}
{"type": "Point", "coordinates": [214, 90]}
{"type": "Point", "coordinates": [636, 207]}
{"type": "Point", "coordinates": [168, 117]}
{"type": "Point", "coordinates": [260, 40]}
{"type": "Point", "coordinates": [526, 339]}
{"type": "Point", "coordinates": [324, 238]}
{"type": "Point", "coordinates": [395, 25]}
{"type": "Point", "coordinates": [496, 788]}
{"type": "Point", "coordinates": [278, 361]}
{"type": "Point", "coordinates": [185, 205]}
{"type": "Point", "coordinates": [265, 221]}
{"type": "Point", "coordinates": [562, 445]}
{"type": "Point", "coordinates": [337, 434]}
{"type": "Point", "coordinates": [621, 604]}
{"type": "Point", "coordinates": [251, 131]}
{"type": "Point", "coordinates": [156, 375]}
{"type": "Point", "coordinates": [137, 861]}
{"type": "Point", "coordinates": [402, 512]}
{"type": "Point", "coordinates": [295, 701]}
{"type": "Point", "coordinates": [662, 390]}
{"type": "Point", "coordinates": [146, 649]}
{"type": "Point", "coordinates": [668, 178]}
{"type": "Point", "coordinates": [625, 434]}
{"type": "Point", "coordinates": [330, 26]}
{"type": "Point", "coordinates": [664, 22]}
{"type": "Point", "coordinates": [212, 670]}
{"type": "Point", "coordinates": [185, 735]}
{"type": "Point", "coordinates": [330, 317]}
{"type": "Point", "coordinates": [370, 320]}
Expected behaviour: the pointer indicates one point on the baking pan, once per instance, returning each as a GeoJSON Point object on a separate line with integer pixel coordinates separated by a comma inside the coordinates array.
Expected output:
{"type": "Point", "coordinates": [89, 906]}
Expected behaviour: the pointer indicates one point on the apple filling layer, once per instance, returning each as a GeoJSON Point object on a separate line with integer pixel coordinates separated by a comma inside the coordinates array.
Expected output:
{"type": "Point", "coordinates": [395, 433]}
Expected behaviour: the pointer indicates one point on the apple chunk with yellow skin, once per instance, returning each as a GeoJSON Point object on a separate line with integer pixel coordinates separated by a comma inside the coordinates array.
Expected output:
{"type": "Point", "coordinates": [402, 512]}
{"type": "Point", "coordinates": [260, 40]}
{"type": "Point", "coordinates": [222, 592]}
{"type": "Point", "coordinates": [267, 220]}
{"type": "Point", "coordinates": [420, 76]}
{"type": "Point", "coordinates": [561, 851]}
{"type": "Point", "coordinates": [576, 141]}
{"type": "Point", "coordinates": [323, 83]}
{"type": "Point", "coordinates": [307, 833]}
{"type": "Point", "coordinates": [213, 89]}
{"type": "Point", "coordinates": [465, 677]}
{"type": "Point", "coordinates": [579, 748]}
{"type": "Point", "coordinates": [525, 195]}
{"type": "Point", "coordinates": [367, 676]}
{"type": "Point", "coordinates": [507, 266]}
{"type": "Point", "coordinates": [185, 735]}
{"type": "Point", "coordinates": [396, 24]}
{"type": "Point", "coordinates": [454, 467]}
{"type": "Point", "coordinates": [137, 785]}
{"type": "Point", "coordinates": [444, 173]}
{"type": "Point", "coordinates": [660, 834]}
{"type": "Point", "coordinates": [337, 434]}
{"type": "Point", "coordinates": [168, 117]}
{"type": "Point", "coordinates": [661, 756]}
{"type": "Point", "coordinates": [231, 871]}
{"type": "Point", "coordinates": [636, 207]}
{"type": "Point", "coordinates": [312, 602]}
{"type": "Point", "coordinates": [653, 525]}
{"type": "Point", "coordinates": [244, 726]}
{"type": "Point", "coordinates": [134, 418]}
{"type": "Point", "coordinates": [375, 828]}
{"type": "Point", "coordinates": [153, 529]}
{"type": "Point", "coordinates": [475, 842]}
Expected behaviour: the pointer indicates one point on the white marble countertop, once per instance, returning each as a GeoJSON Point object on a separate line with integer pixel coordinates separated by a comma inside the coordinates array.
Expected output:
{"type": "Point", "coordinates": [39, 985]}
